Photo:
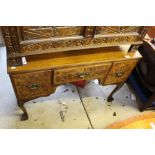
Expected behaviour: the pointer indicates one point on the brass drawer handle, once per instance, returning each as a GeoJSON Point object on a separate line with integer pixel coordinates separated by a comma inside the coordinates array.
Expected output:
{"type": "Point", "coordinates": [33, 86]}
{"type": "Point", "coordinates": [119, 74]}
{"type": "Point", "coordinates": [82, 75]}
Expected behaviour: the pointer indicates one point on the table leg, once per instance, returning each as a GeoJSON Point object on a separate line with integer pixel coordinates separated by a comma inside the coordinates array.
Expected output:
{"type": "Point", "coordinates": [110, 98]}
{"type": "Point", "coordinates": [25, 114]}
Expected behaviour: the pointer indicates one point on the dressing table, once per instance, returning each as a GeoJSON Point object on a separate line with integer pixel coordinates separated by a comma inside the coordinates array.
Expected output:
{"type": "Point", "coordinates": [40, 58]}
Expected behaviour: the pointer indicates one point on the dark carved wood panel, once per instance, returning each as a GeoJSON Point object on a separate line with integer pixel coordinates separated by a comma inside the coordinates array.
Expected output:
{"type": "Point", "coordinates": [42, 32]}
{"type": "Point", "coordinates": [89, 31]}
{"type": "Point", "coordinates": [33, 84]}
{"type": "Point", "coordinates": [125, 29]}
{"type": "Point", "coordinates": [116, 29]}
{"type": "Point", "coordinates": [30, 40]}
{"type": "Point", "coordinates": [67, 75]}
{"type": "Point", "coordinates": [143, 30]}
{"type": "Point", "coordinates": [62, 31]}
{"type": "Point", "coordinates": [120, 71]}
{"type": "Point", "coordinates": [29, 33]}
{"type": "Point", "coordinates": [11, 39]}
{"type": "Point", "coordinates": [34, 27]}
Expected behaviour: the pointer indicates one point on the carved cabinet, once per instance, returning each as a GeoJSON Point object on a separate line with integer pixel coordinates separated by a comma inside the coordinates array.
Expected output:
{"type": "Point", "coordinates": [43, 57]}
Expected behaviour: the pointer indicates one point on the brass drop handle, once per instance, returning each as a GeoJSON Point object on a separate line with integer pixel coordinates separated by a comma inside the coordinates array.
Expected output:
{"type": "Point", "coordinates": [119, 74]}
{"type": "Point", "coordinates": [82, 75]}
{"type": "Point", "coordinates": [33, 86]}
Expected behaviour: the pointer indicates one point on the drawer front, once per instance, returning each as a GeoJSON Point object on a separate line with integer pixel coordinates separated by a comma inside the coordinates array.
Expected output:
{"type": "Point", "coordinates": [33, 84]}
{"type": "Point", "coordinates": [120, 71]}
{"type": "Point", "coordinates": [67, 75]}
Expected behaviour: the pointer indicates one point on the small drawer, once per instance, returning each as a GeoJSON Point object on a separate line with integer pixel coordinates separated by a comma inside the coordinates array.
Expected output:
{"type": "Point", "coordinates": [120, 71]}
{"type": "Point", "coordinates": [33, 84]}
{"type": "Point", "coordinates": [66, 75]}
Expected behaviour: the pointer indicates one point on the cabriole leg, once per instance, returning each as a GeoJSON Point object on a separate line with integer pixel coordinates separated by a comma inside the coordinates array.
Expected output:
{"type": "Point", "coordinates": [110, 98]}
{"type": "Point", "coordinates": [25, 114]}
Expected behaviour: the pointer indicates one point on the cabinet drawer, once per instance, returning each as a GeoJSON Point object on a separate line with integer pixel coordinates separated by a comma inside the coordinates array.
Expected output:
{"type": "Point", "coordinates": [33, 84]}
{"type": "Point", "coordinates": [120, 71]}
{"type": "Point", "coordinates": [67, 75]}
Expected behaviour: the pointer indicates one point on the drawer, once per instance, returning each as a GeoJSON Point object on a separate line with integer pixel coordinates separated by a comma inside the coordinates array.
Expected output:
{"type": "Point", "coordinates": [120, 71]}
{"type": "Point", "coordinates": [66, 75]}
{"type": "Point", "coordinates": [33, 84]}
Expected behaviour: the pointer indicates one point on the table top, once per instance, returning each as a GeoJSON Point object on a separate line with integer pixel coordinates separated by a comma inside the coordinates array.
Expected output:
{"type": "Point", "coordinates": [71, 58]}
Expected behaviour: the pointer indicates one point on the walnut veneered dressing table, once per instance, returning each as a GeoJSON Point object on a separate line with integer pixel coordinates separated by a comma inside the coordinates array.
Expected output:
{"type": "Point", "coordinates": [57, 55]}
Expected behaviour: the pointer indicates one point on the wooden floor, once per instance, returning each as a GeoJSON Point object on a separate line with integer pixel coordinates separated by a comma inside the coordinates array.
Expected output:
{"type": "Point", "coordinates": [68, 108]}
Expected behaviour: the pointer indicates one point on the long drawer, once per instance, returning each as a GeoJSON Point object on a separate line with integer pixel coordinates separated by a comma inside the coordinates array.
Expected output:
{"type": "Point", "coordinates": [66, 75]}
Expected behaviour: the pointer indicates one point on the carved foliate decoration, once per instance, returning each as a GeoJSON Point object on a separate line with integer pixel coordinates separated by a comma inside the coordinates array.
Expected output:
{"type": "Point", "coordinates": [73, 43]}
